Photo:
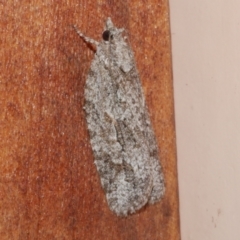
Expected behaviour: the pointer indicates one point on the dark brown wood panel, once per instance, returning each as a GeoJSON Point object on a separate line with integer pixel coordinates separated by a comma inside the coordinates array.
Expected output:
{"type": "Point", "coordinates": [49, 187]}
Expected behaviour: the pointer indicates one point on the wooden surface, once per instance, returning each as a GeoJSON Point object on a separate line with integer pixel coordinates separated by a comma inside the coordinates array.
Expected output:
{"type": "Point", "coordinates": [49, 187]}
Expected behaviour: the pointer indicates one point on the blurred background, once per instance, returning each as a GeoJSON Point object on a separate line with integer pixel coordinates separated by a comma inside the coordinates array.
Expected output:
{"type": "Point", "coordinates": [206, 68]}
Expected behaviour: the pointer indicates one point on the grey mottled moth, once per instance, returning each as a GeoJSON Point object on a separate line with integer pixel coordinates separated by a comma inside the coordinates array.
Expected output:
{"type": "Point", "coordinates": [121, 135]}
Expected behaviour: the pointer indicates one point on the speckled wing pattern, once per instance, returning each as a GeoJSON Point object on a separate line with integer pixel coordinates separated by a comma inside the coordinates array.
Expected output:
{"type": "Point", "coordinates": [121, 135]}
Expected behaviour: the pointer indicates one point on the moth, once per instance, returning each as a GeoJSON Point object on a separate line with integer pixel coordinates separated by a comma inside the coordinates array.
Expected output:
{"type": "Point", "coordinates": [121, 135]}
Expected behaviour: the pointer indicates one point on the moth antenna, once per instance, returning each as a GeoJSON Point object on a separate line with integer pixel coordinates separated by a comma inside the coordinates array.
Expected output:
{"type": "Point", "coordinates": [86, 39]}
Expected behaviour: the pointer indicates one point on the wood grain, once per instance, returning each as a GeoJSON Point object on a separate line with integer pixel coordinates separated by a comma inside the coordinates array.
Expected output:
{"type": "Point", "coordinates": [49, 187]}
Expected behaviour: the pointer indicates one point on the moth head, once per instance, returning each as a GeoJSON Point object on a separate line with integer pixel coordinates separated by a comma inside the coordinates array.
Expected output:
{"type": "Point", "coordinates": [109, 24]}
{"type": "Point", "coordinates": [111, 31]}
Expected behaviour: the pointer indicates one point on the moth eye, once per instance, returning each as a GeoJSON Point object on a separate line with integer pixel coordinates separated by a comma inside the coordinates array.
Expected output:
{"type": "Point", "coordinates": [107, 35]}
